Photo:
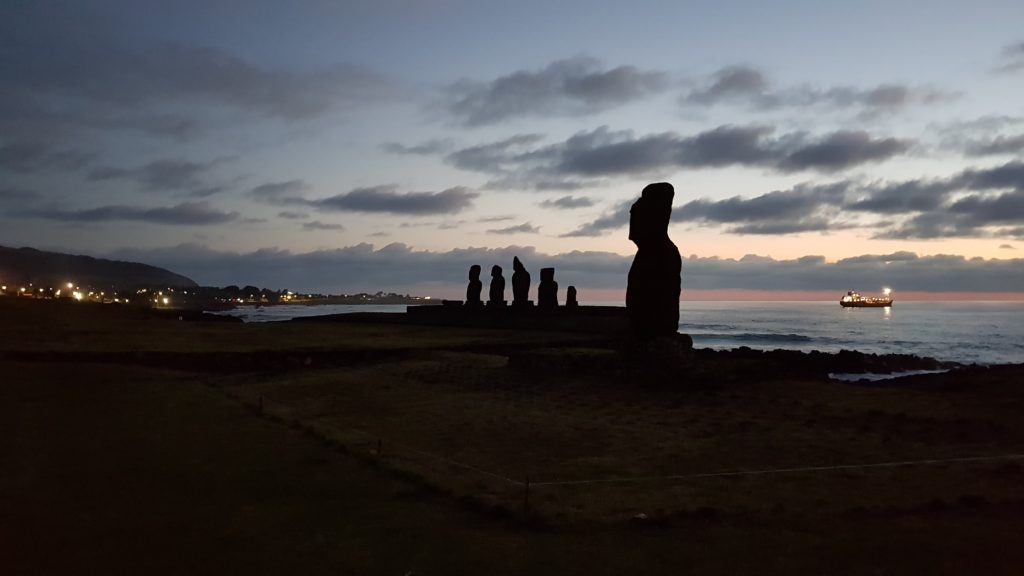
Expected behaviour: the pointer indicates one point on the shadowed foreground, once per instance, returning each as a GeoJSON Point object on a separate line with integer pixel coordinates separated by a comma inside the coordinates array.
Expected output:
{"type": "Point", "coordinates": [116, 466]}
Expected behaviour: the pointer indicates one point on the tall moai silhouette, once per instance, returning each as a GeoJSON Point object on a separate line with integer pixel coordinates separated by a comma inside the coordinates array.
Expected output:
{"type": "Point", "coordinates": [547, 290]}
{"type": "Point", "coordinates": [475, 286]}
{"type": "Point", "coordinates": [520, 284]}
{"type": "Point", "coordinates": [652, 294]}
{"type": "Point", "coordinates": [497, 289]}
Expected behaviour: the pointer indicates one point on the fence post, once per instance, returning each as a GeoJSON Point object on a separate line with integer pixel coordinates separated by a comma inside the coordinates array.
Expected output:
{"type": "Point", "coordinates": [526, 496]}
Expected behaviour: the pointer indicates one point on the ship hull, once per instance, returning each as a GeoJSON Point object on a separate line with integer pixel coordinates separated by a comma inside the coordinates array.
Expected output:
{"type": "Point", "coordinates": [866, 304]}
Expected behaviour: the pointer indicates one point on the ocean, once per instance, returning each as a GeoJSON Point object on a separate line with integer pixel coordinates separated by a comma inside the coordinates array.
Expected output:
{"type": "Point", "coordinates": [966, 332]}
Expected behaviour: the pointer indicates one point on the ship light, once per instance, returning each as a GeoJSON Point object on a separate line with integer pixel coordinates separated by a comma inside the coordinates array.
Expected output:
{"type": "Point", "coordinates": [887, 291]}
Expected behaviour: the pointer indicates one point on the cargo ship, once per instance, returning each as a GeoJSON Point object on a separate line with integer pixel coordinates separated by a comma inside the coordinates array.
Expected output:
{"type": "Point", "coordinates": [855, 300]}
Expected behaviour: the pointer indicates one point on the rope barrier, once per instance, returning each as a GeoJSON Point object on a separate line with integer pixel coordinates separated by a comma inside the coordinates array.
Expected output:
{"type": "Point", "coordinates": [783, 470]}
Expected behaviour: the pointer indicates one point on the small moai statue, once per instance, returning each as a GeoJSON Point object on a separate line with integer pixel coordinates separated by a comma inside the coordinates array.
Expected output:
{"type": "Point", "coordinates": [497, 290]}
{"type": "Point", "coordinates": [570, 297]}
{"type": "Point", "coordinates": [520, 285]}
{"type": "Point", "coordinates": [547, 291]}
{"type": "Point", "coordinates": [474, 288]}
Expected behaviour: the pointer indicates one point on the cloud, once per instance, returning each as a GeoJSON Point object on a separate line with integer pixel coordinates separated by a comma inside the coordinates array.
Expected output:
{"type": "Point", "coordinates": [574, 86]}
{"type": "Point", "coordinates": [524, 228]}
{"type": "Point", "coordinates": [844, 149]}
{"type": "Point", "coordinates": [280, 193]}
{"type": "Point", "coordinates": [108, 75]}
{"type": "Point", "coordinates": [589, 156]}
{"type": "Point", "coordinates": [974, 215]}
{"type": "Point", "coordinates": [996, 146]}
{"type": "Point", "coordinates": [734, 82]}
{"type": "Point", "coordinates": [499, 157]}
{"type": "Point", "coordinates": [568, 203]}
{"type": "Point", "coordinates": [1006, 176]}
{"type": "Point", "coordinates": [982, 136]}
{"type": "Point", "coordinates": [207, 191]}
{"type": "Point", "coordinates": [902, 197]}
{"type": "Point", "coordinates": [385, 199]}
{"type": "Point", "coordinates": [429, 148]}
{"type": "Point", "coordinates": [400, 268]}
{"type": "Point", "coordinates": [184, 214]}
{"type": "Point", "coordinates": [79, 73]}
{"type": "Point", "coordinates": [803, 208]}
{"type": "Point", "coordinates": [31, 156]}
{"type": "Point", "coordinates": [939, 209]}
{"type": "Point", "coordinates": [615, 217]}
{"type": "Point", "coordinates": [975, 202]}
{"type": "Point", "coordinates": [1006, 247]}
{"type": "Point", "coordinates": [15, 197]}
{"type": "Point", "coordinates": [290, 215]}
{"type": "Point", "coordinates": [318, 225]}
{"type": "Point", "coordinates": [1012, 58]}
{"type": "Point", "coordinates": [380, 199]}
{"type": "Point", "coordinates": [745, 85]}
{"type": "Point", "coordinates": [160, 175]}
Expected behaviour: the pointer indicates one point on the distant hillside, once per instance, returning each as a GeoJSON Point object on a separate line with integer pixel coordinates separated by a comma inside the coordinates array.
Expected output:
{"type": "Point", "coordinates": [25, 265]}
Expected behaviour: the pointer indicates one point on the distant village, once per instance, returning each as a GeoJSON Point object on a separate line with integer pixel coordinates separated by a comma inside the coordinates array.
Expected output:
{"type": "Point", "coordinates": [202, 297]}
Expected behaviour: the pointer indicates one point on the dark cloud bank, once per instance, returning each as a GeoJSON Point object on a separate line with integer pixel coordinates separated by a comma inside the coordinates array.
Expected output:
{"type": "Point", "coordinates": [522, 162]}
{"type": "Point", "coordinates": [184, 214]}
{"type": "Point", "coordinates": [374, 199]}
{"type": "Point", "coordinates": [750, 86]}
{"type": "Point", "coordinates": [976, 202]}
{"type": "Point", "coordinates": [398, 267]}
{"type": "Point", "coordinates": [573, 86]}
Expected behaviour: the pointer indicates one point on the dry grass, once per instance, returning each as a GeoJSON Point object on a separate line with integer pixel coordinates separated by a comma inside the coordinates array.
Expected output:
{"type": "Point", "coordinates": [472, 409]}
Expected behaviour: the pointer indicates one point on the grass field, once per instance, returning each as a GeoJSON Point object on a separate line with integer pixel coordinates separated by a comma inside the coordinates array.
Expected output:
{"type": "Point", "coordinates": [356, 462]}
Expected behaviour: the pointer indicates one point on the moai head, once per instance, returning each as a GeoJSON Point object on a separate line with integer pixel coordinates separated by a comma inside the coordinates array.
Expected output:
{"type": "Point", "coordinates": [517, 266]}
{"type": "Point", "coordinates": [547, 274]}
{"type": "Point", "coordinates": [649, 215]}
{"type": "Point", "coordinates": [474, 272]}
{"type": "Point", "coordinates": [495, 271]}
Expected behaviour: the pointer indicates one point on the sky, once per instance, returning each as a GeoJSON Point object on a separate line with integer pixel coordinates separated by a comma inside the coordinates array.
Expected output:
{"type": "Point", "coordinates": [350, 146]}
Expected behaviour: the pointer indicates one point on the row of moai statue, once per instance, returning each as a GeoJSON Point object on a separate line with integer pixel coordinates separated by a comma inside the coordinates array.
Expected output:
{"type": "Point", "coordinates": [547, 290]}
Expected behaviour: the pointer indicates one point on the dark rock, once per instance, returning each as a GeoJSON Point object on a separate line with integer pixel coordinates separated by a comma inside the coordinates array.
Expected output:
{"type": "Point", "coordinates": [570, 297]}
{"type": "Point", "coordinates": [652, 294]}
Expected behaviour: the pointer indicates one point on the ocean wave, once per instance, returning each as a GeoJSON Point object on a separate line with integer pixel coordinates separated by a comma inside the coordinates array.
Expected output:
{"type": "Point", "coordinates": [758, 337]}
